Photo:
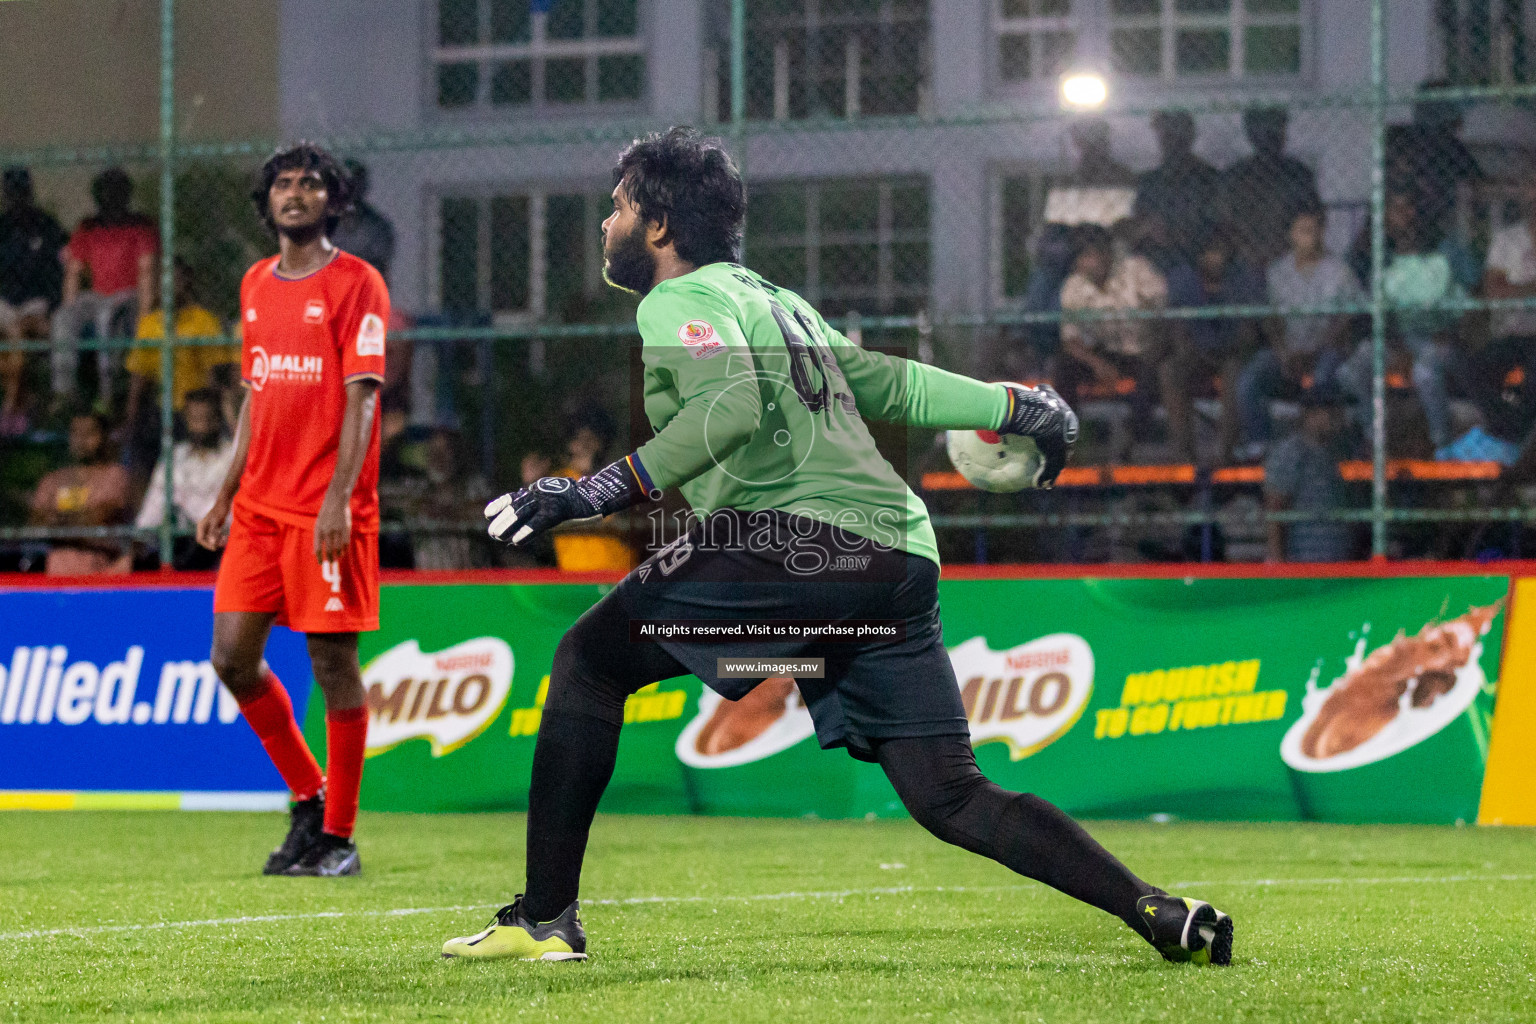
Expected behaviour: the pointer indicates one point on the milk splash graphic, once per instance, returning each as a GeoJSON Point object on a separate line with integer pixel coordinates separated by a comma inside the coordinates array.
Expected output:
{"type": "Point", "coordinates": [1408, 690]}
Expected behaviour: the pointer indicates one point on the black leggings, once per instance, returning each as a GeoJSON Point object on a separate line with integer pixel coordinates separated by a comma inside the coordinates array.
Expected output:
{"type": "Point", "coordinates": [935, 776]}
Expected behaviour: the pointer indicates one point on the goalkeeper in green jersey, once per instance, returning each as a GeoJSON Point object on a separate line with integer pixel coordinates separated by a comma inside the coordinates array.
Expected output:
{"type": "Point", "coordinates": [758, 407]}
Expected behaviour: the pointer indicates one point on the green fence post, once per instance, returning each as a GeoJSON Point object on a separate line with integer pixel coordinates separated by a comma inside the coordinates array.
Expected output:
{"type": "Point", "coordinates": [167, 270]}
{"type": "Point", "coordinates": [739, 90]}
{"type": "Point", "coordinates": [1378, 293]}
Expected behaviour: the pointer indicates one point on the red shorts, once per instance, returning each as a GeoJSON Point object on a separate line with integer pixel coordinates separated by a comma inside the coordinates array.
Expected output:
{"type": "Point", "coordinates": [270, 566]}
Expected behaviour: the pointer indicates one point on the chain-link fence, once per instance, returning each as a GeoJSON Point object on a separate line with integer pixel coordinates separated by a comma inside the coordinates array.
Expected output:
{"type": "Point", "coordinates": [1284, 269]}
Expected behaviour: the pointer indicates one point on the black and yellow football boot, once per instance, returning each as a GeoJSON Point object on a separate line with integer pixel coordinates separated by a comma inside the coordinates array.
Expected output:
{"type": "Point", "coordinates": [513, 935]}
{"type": "Point", "coordinates": [1185, 930]}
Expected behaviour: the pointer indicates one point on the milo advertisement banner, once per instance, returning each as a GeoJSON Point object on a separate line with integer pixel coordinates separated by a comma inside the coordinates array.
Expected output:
{"type": "Point", "coordinates": [1355, 699]}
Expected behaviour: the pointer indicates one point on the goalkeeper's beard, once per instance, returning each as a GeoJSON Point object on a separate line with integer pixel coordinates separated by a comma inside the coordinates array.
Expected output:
{"type": "Point", "coordinates": [629, 264]}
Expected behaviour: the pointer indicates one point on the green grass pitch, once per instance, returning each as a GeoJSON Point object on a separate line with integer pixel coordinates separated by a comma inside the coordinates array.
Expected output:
{"type": "Point", "coordinates": [161, 917]}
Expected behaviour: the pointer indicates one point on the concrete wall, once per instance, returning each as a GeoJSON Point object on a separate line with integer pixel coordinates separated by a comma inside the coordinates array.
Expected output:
{"type": "Point", "coordinates": [87, 72]}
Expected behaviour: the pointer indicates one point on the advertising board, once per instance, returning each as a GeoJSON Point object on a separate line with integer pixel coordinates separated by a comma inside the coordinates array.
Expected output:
{"type": "Point", "coordinates": [1353, 699]}
{"type": "Point", "coordinates": [111, 691]}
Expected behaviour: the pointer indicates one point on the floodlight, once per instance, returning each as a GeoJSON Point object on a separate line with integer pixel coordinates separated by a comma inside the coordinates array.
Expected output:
{"type": "Point", "coordinates": [1083, 90]}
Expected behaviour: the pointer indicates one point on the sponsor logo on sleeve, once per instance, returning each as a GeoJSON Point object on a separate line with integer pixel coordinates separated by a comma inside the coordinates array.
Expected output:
{"type": "Point", "coordinates": [370, 336]}
{"type": "Point", "coordinates": [699, 337]}
{"type": "Point", "coordinates": [447, 697]}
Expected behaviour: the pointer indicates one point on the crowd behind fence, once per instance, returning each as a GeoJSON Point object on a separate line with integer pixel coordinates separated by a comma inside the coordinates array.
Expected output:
{"type": "Point", "coordinates": [1273, 359]}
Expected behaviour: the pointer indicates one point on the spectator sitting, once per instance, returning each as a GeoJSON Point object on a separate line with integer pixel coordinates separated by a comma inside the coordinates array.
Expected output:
{"type": "Point", "coordinates": [191, 366]}
{"type": "Point", "coordinates": [1103, 280]}
{"type": "Point", "coordinates": [362, 230]}
{"type": "Point", "coordinates": [595, 547]}
{"type": "Point", "coordinates": [1302, 474]}
{"type": "Point", "coordinates": [1099, 190]}
{"type": "Point", "coordinates": [94, 491]}
{"type": "Point", "coordinates": [1417, 274]}
{"type": "Point", "coordinates": [1306, 346]}
{"type": "Point", "coordinates": [199, 465]}
{"type": "Point", "coordinates": [1403, 205]}
{"type": "Point", "coordinates": [1178, 196]}
{"type": "Point", "coordinates": [452, 495]}
{"type": "Point", "coordinates": [1211, 346]}
{"type": "Point", "coordinates": [1264, 192]}
{"type": "Point", "coordinates": [1510, 274]}
{"type": "Point", "coordinates": [31, 276]}
{"type": "Point", "coordinates": [117, 249]}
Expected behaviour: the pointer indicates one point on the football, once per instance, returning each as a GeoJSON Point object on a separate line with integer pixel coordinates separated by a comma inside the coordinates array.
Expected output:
{"type": "Point", "coordinates": [995, 462]}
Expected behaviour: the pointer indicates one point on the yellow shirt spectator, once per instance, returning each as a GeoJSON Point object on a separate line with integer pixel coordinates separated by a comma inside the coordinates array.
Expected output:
{"type": "Point", "coordinates": [192, 363]}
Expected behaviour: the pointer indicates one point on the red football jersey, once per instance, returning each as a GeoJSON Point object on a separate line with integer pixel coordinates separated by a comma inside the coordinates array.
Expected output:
{"type": "Point", "coordinates": [302, 341]}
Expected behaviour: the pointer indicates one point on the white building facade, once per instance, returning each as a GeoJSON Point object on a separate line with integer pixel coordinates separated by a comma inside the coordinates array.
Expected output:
{"type": "Point", "coordinates": [499, 124]}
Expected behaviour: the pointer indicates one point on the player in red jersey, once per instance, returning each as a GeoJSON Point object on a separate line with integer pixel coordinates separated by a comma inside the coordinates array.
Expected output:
{"type": "Point", "coordinates": [303, 547]}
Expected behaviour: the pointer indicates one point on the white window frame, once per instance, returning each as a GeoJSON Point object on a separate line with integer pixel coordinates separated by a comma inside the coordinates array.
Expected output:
{"type": "Point", "coordinates": [1034, 26]}
{"type": "Point", "coordinates": [884, 237]}
{"type": "Point", "coordinates": [538, 196]}
{"type": "Point", "coordinates": [1236, 22]}
{"type": "Point", "coordinates": [1092, 23]}
{"type": "Point", "coordinates": [1501, 48]}
{"type": "Point", "coordinates": [812, 21]}
{"type": "Point", "coordinates": [538, 51]}
{"type": "Point", "coordinates": [1040, 178]}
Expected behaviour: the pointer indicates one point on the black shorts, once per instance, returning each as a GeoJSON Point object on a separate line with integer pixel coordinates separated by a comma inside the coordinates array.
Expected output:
{"type": "Point", "coordinates": [771, 566]}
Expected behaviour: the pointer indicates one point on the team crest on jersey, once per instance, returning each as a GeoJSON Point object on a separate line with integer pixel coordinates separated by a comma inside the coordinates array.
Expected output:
{"type": "Point", "coordinates": [370, 336]}
{"type": "Point", "coordinates": [314, 312]}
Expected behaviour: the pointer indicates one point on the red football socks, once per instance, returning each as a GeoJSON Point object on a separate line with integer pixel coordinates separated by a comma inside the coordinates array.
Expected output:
{"type": "Point", "coordinates": [346, 738]}
{"type": "Point", "coordinates": [270, 714]}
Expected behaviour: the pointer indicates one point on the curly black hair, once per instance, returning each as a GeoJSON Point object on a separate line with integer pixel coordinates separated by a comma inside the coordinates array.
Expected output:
{"type": "Point", "coordinates": [305, 156]}
{"type": "Point", "coordinates": [688, 182]}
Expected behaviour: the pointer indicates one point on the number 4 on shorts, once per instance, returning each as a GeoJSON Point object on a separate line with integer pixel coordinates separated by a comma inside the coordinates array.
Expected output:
{"type": "Point", "coordinates": [330, 571]}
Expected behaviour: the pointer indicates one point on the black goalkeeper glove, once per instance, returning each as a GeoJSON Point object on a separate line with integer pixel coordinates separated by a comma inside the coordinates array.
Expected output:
{"type": "Point", "coordinates": [1040, 413]}
{"type": "Point", "coordinates": [552, 500]}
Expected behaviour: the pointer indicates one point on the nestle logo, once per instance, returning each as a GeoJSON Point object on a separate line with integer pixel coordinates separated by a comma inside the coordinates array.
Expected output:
{"type": "Point", "coordinates": [464, 661]}
{"type": "Point", "coordinates": [1039, 659]}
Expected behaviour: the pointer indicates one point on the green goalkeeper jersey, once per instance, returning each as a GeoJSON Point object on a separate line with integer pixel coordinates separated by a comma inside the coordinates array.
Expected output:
{"type": "Point", "coordinates": [758, 403]}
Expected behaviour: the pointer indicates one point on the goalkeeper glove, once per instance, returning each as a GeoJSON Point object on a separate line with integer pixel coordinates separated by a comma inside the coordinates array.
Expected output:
{"type": "Point", "coordinates": [552, 500]}
{"type": "Point", "coordinates": [1040, 413]}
